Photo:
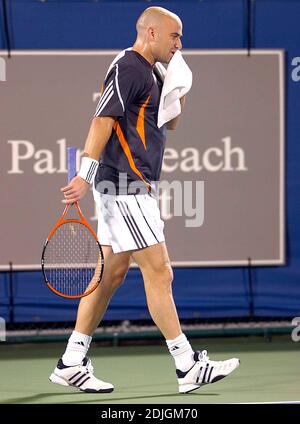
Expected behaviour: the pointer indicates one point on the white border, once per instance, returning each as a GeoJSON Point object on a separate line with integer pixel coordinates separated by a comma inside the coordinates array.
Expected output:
{"type": "Point", "coordinates": [187, 52]}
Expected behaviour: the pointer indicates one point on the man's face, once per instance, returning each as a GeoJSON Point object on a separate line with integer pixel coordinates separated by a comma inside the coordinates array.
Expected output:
{"type": "Point", "coordinates": [167, 40]}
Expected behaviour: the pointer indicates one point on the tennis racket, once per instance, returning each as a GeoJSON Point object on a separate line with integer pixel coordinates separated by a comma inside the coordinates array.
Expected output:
{"type": "Point", "coordinates": [72, 258]}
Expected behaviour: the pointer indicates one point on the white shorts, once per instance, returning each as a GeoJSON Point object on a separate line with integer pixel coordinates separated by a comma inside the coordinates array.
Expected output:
{"type": "Point", "coordinates": [128, 222]}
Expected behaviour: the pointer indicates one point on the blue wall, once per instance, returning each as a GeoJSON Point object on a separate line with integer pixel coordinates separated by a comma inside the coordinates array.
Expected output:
{"type": "Point", "coordinates": [199, 293]}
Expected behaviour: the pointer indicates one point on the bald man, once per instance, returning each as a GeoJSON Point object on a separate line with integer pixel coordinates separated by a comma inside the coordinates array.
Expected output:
{"type": "Point", "coordinates": [123, 158]}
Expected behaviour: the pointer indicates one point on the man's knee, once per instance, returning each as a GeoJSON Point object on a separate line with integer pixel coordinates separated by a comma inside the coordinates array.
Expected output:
{"type": "Point", "coordinates": [168, 274]}
{"type": "Point", "coordinates": [112, 279]}
{"type": "Point", "coordinates": [161, 276]}
{"type": "Point", "coordinates": [118, 277]}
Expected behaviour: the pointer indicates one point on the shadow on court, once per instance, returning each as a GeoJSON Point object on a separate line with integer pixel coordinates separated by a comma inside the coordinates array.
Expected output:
{"type": "Point", "coordinates": [39, 398]}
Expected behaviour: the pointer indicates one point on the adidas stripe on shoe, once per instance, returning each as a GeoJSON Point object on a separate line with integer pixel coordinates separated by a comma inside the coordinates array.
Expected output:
{"type": "Point", "coordinates": [204, 371]}
{"type": "Point", "coordinates": [80, 376]}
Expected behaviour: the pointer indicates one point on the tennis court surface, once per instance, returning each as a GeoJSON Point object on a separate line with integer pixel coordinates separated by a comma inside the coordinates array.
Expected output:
{"type": "Point", "coordinates": [269, 372]}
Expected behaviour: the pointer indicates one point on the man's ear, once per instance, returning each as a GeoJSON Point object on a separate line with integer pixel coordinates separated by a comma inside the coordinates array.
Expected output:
{"type": "Point", "coordinates": [151, 33]}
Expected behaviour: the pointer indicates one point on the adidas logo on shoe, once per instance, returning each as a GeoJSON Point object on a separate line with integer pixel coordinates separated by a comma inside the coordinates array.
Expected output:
{"type": "Point", "coordinates": [204, 371]}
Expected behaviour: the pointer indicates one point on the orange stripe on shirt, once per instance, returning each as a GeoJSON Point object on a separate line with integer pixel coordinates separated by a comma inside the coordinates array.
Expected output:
{"type": "Point", "coordinates": [128, 154]}
{"type": "Point", "coordinates": [140, 125]}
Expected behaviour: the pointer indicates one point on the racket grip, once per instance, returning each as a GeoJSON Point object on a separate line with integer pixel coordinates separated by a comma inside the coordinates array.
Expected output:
{"type": "Point", "coordinates": [71, 163]}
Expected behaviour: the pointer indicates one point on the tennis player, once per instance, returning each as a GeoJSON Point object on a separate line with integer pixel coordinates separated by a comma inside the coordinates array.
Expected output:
{"type": "Point", "coordinates": [125, 136]}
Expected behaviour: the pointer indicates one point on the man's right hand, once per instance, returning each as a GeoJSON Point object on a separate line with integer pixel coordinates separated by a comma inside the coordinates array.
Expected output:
{"type": "Point", "coordinates": [75, 190]}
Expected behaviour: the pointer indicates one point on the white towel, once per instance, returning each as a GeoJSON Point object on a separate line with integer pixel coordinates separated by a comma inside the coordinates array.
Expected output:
{"type": "Point", "coordinates": [178, 80]}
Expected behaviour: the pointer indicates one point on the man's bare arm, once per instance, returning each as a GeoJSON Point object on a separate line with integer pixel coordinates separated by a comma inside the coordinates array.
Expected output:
{"type": "Point", "coordinates": [171, 125]}
{"type": "Point", "coordinates": [99, 134]}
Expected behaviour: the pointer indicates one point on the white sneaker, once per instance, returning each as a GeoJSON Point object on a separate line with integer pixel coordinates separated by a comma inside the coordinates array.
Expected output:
{"type": "Point", "coordinates": [204, 371]}
{"type": "Point", "coordinates": [80, 376]}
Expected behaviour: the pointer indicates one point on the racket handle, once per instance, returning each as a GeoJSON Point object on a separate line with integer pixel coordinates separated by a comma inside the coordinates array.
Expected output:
{"type": "Point", "coordinates": [71, 163]}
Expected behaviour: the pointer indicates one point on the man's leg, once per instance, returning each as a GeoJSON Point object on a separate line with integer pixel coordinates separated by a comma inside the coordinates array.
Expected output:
{"type": "Point", "coordinates": [157, 273]}
{"type": "Point", "coordinates": [193, 369]}
{"type": "Point", "coordinates": [156, 269]}
{"type": "Point", "coordinates": [92, 307]}
{"type": "Point", "coordinates": [74, 369]}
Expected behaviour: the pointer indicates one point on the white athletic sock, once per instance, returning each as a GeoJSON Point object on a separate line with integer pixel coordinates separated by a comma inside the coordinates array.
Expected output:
{"type": "Point", "coordinates": [77, 348]}
{"type": "Point", "coordinates": [182, 352]}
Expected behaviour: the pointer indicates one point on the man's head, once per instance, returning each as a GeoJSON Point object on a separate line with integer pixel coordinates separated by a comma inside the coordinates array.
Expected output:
{"type": "Point", "coordinates": [158, 34]}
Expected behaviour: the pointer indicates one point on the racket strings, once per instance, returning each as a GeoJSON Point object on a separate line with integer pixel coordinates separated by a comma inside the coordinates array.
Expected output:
{"type": "Point", "coordinates": [72, 260]}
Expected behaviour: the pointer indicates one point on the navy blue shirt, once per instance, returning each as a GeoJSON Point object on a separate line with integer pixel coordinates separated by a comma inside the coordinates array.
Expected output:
{"type": "Point", "coordinates": [134, 152]}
